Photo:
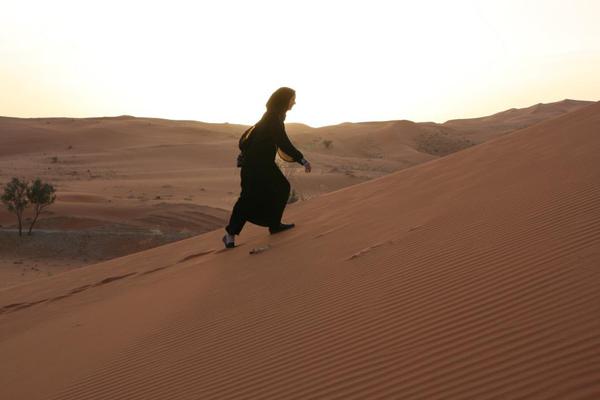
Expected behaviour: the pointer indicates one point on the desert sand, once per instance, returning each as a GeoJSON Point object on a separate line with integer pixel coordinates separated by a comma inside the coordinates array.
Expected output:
{"type": "Point", "coordinates": [474, 275]}
{"type": "Point", "coordinates": [127, 184]}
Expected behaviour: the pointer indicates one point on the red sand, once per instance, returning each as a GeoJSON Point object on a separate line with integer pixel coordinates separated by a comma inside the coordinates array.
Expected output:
{"type": "Point", "coordinates": [128, 184]}
{"type": "Point", "coordinates": [470, 276]}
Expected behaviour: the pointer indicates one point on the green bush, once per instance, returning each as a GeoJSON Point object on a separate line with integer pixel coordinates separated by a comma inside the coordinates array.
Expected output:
{"type": "Point", "coordinates": [40, 195]}
{"type": "Point", "coordinates": [15, 199]}
{"type": "Point", "coordinates": [19, 194]}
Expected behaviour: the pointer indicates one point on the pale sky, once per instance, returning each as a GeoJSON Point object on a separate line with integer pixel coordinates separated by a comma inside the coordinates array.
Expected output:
{"type": "Point", "coordinates": [349, 61]}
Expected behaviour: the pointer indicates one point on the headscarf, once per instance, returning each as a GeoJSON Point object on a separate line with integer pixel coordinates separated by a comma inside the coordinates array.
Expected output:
{"type": "Point", "coordinates": [277, 107]}
{"type": "Point", "coordinates": [278, 103]}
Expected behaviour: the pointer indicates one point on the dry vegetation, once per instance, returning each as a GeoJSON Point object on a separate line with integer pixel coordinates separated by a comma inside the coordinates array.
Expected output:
{"type": "Point", "coordinates": [441, 144]}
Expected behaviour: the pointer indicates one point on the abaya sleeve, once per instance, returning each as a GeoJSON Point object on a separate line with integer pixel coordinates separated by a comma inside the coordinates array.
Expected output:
{"type": "Point", "coordinates": [284, 145]}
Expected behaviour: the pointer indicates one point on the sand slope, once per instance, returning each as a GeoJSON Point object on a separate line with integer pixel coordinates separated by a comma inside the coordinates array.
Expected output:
{"type": "Point", "coordinates": [413, 143]}
{"type": "Point", "coordinates": [127, 184]}
{"type": "Point", "coordinates": [471, 276]}
{"type": "Point", "coordinates": [481, 129]}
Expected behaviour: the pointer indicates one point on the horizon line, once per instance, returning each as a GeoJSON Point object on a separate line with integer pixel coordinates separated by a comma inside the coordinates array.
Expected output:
{"type": "Point", "coordinates": [300, 123]}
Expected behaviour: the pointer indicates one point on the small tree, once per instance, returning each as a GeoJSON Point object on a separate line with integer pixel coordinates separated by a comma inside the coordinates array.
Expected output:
{"type": "Point", "coordinates": [40, 195]}
{"type": "Point", "coordinates": [16, 200]}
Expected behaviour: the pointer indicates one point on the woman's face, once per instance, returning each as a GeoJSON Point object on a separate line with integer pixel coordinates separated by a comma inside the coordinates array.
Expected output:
{"type": "Point", "coordinates": [292, 102]}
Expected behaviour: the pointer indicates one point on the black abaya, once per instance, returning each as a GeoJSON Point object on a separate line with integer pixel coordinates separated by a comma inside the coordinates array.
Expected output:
{"type": "Point", "coordinates": [265, 190]}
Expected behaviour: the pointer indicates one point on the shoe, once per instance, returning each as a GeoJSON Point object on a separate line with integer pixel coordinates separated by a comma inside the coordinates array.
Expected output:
{"type": "Point", "coordinates": [229, 245]}
{"type": "Point", "coordinates": [282, 227]}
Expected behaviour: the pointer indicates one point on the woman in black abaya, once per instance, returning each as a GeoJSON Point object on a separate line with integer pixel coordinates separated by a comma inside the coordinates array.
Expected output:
{"type": "Point", "coordinates": [265, 190]}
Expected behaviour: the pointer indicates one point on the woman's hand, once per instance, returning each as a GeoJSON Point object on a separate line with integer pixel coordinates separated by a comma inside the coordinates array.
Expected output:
{"type": "Point", "coordinates": [307, 167]}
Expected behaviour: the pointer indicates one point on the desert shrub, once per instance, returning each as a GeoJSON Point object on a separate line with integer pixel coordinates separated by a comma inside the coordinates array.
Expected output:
{"type": "Point", "coordinates": [327, 143]}
{"type": "Point", "coordinates": [293, 196]}
{"type": "Point", "coordinates": [289, 172]}
{"type": "Point", "coordinates": [19, 194]}
{"type": "Point", "coordinates": [15, 199]}
{"type": "Point", "coordinates": [40, 195]}
{"type": "Point", "coordinates": [439, 144]}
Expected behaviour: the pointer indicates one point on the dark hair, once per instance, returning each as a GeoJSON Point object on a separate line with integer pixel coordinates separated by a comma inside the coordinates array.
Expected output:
{"type": "Point", "coordinates": [279, 102]}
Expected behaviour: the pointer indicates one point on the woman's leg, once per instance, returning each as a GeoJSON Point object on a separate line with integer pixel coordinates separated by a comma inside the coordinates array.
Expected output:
{"type": "Point", "coordinates": [240, 209]}
{"type": "Point", "coordinates": [282, 194]}
{"type": "Point", "coordinates": [237, 219]}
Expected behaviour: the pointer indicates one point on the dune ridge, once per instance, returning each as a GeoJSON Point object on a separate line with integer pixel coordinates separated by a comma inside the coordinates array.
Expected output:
{"type": "Point", "coordinates": [470, 276]}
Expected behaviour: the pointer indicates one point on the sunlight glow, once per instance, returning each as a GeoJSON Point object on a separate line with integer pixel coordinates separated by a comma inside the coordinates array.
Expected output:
{"type": "Point", "coordinates": [218, 61]}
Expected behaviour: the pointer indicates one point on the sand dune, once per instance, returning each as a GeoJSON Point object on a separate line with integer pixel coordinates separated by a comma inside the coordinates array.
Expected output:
{"type": "Point", "coordinates": [400, 140]}
{"type": "Point", "coordinates": [126, 176]}
{"type": "Point", "coordinates": [484, 128]}
{"type": "Point", "coordinates": [470, 276]}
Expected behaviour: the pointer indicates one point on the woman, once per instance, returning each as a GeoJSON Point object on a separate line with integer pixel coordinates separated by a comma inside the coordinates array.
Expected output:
{"type": "Point", "coordinates": [265, 190]}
